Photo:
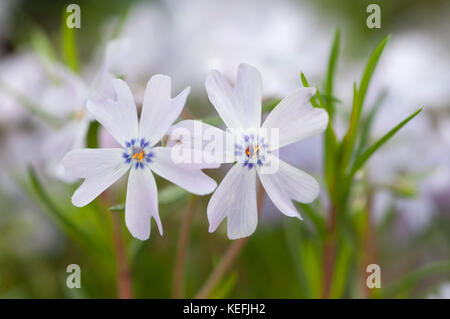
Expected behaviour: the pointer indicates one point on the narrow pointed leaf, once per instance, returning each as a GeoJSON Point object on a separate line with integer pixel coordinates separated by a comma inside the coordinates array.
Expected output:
{"type": "Point", "coordinates": [42, 46]}
{"type": "Point", "coordinates": [367, 123]}
{"type": "Point", "coordinates": [51, 207]}
{"type": "Point", "coordinates": [332, 64]}
{"type": "Point", "coordinates": [92, 135]}
{"type": "Point", "coordinates": [306, 85]}
{"type": "Point", "coordinates": [404, 285]}
{"type": "Point", "coordinates": [370, 68]}
{"type": "Point", "coordinates": [359, 94]}
{"type": "Point", "coordinates": [69, 44]}
{"type": "Point", "coordinates": [361, 160]}
{"type": "Point", "coordinates": [315, 217]}
{"type": "Point", "coordinates": [330, 142]}
{"type": "Point", "coordinates": [350, 137]}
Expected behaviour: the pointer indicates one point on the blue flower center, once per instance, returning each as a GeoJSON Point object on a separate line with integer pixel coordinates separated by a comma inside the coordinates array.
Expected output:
{"type": "Point", "coordinates": [138, 153]}
{"type": "Point", "coordinates": [251, 151]}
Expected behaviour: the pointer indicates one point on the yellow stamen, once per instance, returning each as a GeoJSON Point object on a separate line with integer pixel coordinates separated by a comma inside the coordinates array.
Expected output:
{"type": "Point", "coordinates": [255, 149]}
{"type": "Point", "coordinates": [252, 154]}
{"type": "Point", "coordinates": [79, 114]}
{"type": "Point", "coordinates": [139, 156]}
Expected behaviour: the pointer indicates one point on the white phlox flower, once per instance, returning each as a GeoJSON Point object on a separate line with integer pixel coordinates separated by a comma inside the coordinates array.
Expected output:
{"type": "Point", "coordinates": [140, 153]}
{"type": "Point", "coordinates": [254, 149]}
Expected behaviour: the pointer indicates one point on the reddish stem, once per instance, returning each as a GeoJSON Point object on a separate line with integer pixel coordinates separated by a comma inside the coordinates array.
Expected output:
{"type": "Point", "coordinates": [228, 258]}
{"type": "Point", "coordinates": [124, 289]}
{"type": "Point", "coordinates": [329, 255]}
{"type": "Point", "coordinates": [183, 241]}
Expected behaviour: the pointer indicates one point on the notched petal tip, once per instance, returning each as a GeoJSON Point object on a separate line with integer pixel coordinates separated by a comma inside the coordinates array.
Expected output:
{"type": "Point", "coordinates": [142, 238]}
{"type": "Point", "coordinates": [315, 191]}
{"type": "Point", "coordinates": [209, 185]}
{"type": "Point", "coordinates": [116, 82]}
{"type": "Point", "coordinates": [158, 224]}
{"type": "Point", "coordinates": [239, 235]}
{"type": "Point", "coordinates": [209, 188]}
{"type": "Point", "coordinates": [244, 65]}
{"type": "Point", "coordinates": [309, 92]}
{"type": "Point", "coordinates": [137, 232]}
{"type": "Point", "coordinates": [180, 100]}
{"type": "Point", "coordinates": [77, 202]}
{"type": "Point", "coordinates": [160, 76]}
{"type": "Point", "coordinates": [214, 224]}
{"type": "Point", "coordinates": [159, 79]}
{"type": "Point", "coordinates": [186, 90]}
{"type": "Point", "coordinates": [323, 118]}
{"type": "Point", "coordinates": [212, 76]}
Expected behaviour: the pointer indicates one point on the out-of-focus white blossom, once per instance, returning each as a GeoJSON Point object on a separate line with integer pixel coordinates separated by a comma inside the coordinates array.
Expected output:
{"type": "Point", "coordinates": [186, 39]}
{"type": "Point", "coordinates": [20, 75]}
{"type": "Point", "coordinates": [281, 40]}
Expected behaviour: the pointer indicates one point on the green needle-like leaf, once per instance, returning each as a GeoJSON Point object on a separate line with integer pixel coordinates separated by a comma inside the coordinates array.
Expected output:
{"type": "Point", "coordinates": [42, 46]}
{"type": "Point", "coordinates": [332, 64]}
{"type": "Point", "coordinates": [404, 285]}
{"type": "Point", "coordinates": [346, 148]}
{"type": "Point", "coordinates": [170, 194]}
{"type": "Point", "coordinates": [69, 44]}
{"type": "Point", "coordinates": [92, 135]}
{"type": "Point", "coordinates": [358, 103]}
{"type": "Point", "coordinates": [117, 208]}
{"type": "Point", "coordinates": [224, 287]}
{"type": "Point", "coordinates": [51, 207]}
{"type": "Point", "coordinates": [370, 68]}
{"type": "Point", "coordinates": [367, 124]}
{"type": "Point", "coordinates": [315, 218]}
{"type": "Point", "coordinates": [361, 160]}
{"type": "Point", "coordinates": [342, 268]}
{"type": "Point", "coordinates": [330, 142]}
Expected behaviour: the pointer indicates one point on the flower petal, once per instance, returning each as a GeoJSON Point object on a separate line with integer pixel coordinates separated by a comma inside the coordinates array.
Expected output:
{"type": "Point", "coordinates": [159, 110]}
{"type": "Point", "coordinates": [72, 136]}
{"type": "Point", "coordinates": [248, 90]}
{"type": "Point", "coordinates": [141, 203]}
{"type": "Point", "coordinates": [295, 118]}
{"type": "Point", "coordinates": [186, 175]}
{"type": "Point", "coordinates": [89, 162]}
{"type": "Point", "coordinates": [100, 168]}
{"type": "Point", "coordinates": [222, 96]}
{"type": "Point", "coordinates": [118, 115]}
{"type": "Point", "coordinates": [235, 198]}
{"type": "Point", "coordinates": [197, 135]}
{"type": "Point", "coordinates": [287, 184]}
{"type": "Point", "coordinates": [54, 97]}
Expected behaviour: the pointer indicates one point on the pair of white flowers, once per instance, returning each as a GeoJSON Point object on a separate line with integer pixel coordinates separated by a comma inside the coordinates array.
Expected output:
{"type": "Point", "coordinates": [235, 198]}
